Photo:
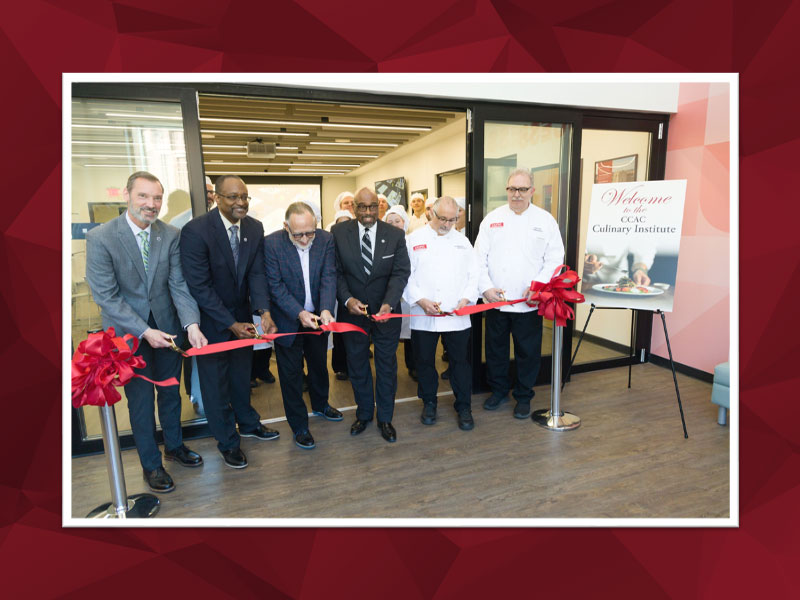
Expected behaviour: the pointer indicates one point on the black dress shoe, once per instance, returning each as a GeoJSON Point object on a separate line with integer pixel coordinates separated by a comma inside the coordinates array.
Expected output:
{"type": "Point", "coordinates": [522, 410]}
{"type": "Point", "coordinates": [387, 432]}
{"type": "Point", "coordinates": [253, 383]}
{"type": "Point", "coordinates": [465, 420]}
{"type": "Point", "coordinates": [235, 458]}
{"type": "Point", "coordinates": [304, 440]}
{"type": "Point", "coordinates": [358, 427]}
{"type": "Point", "coordinates": [183, 456]}
{"type": "Point", "coordinates": [493, 402]}
{"type": "Point", "coordinates": [262, 433]}
{"type": "Point", "coordinates": [159, 480]}
{"type": "Point", "coordinates": [269, 377]}
{"type": "Point", "coordinates": [428, 416]}
{"type": "Point", "coordinates": [341, 376]}
{"type": "Point", "coordinates": [329, 413]}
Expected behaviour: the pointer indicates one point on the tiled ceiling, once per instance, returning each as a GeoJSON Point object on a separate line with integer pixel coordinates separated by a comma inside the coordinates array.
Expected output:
{"type": "Point", "coordinates": [310, 138]}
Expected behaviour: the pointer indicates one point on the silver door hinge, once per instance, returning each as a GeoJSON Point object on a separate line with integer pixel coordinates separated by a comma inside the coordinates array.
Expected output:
{"type": "Point", "coordinates": [469, 120]}
{"type": "Point", "coordinates": [660, 130]}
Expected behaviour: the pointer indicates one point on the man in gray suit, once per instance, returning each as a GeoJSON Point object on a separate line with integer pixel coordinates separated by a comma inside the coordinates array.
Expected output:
{"type": "Point", "coordinates": [133, 267]}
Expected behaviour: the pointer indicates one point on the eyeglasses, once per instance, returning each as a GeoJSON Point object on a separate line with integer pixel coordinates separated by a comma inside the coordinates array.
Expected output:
{"type": "Point", "coordinates": [299, 236]}
{"type": "Point", "coordinates": [235, 197]}
{"type": "Point", "coordinates": [443, 220]}
{"type": "Point", "coordinates": [521, 190]}
{"type": "Point", "coordinates": [366, 207]}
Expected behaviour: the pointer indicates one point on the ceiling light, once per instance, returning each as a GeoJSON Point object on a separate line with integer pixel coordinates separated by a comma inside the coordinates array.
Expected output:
{"type": "Point", "coordinates": [228, 146]}
{"type": "Point", "coordinates": [327, 155]}
{"type": "Point", "coordinates": [318, 124]}
{"type": "Point", "coordinates": [256, 133]}
{"type": "Point", "coordinates": [228, 153]}
{"type": "Point", "coordinates": [353, 144]}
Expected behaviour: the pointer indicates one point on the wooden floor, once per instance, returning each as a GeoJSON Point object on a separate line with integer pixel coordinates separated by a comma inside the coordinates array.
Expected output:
{"type": "Point", "coordinates": [628, 459]}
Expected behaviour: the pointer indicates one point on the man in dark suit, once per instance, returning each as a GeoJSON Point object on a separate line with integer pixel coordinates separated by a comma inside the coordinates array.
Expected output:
{"type": "Point", "coordinates": [223, 262]}
{"type": "Point", "coordinates": [133, 268]}
{"type": "Point", "coordinates": [372, 269]}
{"type": "Point", "coordinates": [301, 272]}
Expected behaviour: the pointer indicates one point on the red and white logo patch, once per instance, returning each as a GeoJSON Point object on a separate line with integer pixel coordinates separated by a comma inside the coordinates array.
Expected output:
{"type": "Point", "coordinates": [495, 225]}
{"type": "Point", "coordinates": [420, 247]}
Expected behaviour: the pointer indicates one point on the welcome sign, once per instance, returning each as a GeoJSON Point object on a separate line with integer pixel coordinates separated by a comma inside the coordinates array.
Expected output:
{"type": "Point", "coordinates": [632, 244]}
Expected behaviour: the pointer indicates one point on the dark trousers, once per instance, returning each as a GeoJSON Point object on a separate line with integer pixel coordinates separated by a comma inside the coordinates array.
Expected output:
{"type": "Point", "coordinates": [260, 366]}
{"type": "Point", "coordinates": [162, 363]}
{"type": "Point", "coordinates": [408, 355]}
{"type": "Point", "coordinates": [385, 337]}
{"type": "Point", "coordinates": [225, 385]}
{"type": "Point", "coordinates": [457, 346]}
{"type": "Point", "coordinates": [338, 354]}
{"type": "Point", "coordinates": [290, 373]}
{"type": "Point", "coordinates": [526, 330]}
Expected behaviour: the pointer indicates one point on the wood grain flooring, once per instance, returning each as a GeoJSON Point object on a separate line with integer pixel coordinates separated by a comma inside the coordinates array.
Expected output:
{"type": "Point", "coordinates": [628, 459]}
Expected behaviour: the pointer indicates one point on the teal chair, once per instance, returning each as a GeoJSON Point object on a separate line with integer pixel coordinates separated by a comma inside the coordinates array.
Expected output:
{"type": "Point", "coordinates": [721, 391]}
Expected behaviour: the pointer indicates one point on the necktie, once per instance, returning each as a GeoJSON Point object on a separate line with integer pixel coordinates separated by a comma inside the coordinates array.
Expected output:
{"type": "Point", "coordinates": [145, 248]}
{"type": "Point", "coordinates": [235, 245]}
{"type": "Point", "coordinates": [366, 252]}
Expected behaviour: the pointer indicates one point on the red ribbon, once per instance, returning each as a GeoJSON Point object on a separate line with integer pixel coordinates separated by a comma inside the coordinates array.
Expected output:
{"type": "Point", "coordinates": [553, 296]}
{"type": "Point", "coordinates": [103, 361]}
{"type": "Point", "coordinates": [461, 312]}
{"type": "Point", "coordinates": [268, 337]}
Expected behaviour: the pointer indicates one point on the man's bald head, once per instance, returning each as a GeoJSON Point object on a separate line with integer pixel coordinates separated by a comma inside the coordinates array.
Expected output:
{"type": "Point", "coordinates": [366, 205]}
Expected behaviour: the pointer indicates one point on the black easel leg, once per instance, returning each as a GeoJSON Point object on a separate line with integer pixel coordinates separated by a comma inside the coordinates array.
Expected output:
{"type": "Point", "coordinates": [580, 339]}
{"type": "Point", "coordinates": [674, 377]}
{"type": "Point", "coordinates": [633, 349]}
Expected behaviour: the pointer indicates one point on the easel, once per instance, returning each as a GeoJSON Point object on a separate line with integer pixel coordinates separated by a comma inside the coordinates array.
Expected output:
{"type": "Point", "coordinates": [669, 349]}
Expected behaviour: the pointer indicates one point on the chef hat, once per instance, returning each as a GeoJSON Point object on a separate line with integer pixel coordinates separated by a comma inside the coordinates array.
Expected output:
{"type": "Point", "coordinates": [416, 195]}
{"type": "Point", "coordinates": [208, 180]}
{"type": "Point", "coordinates": [462, 202]}
{"type": "Point", "coordinates": [429, 202]}
{"type": "Point", "coordinates": [384, 197]}
{"type": "Point", "coordinates": [337, 204]}
{"type": "Point", "coordinates": [398, 209]}
{"type": "Point", "coordinates": [342, 213]}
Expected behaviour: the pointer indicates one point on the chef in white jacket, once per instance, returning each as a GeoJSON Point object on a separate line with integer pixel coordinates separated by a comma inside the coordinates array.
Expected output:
{"type": "Point", "coordinates": [444, 277]}
{"type": "Point", "coordinates": [517, 243]}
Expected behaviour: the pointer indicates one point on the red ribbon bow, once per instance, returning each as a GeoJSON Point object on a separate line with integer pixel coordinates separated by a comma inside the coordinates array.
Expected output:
{"type": "Point", "coordinates": [103, 361]}
{"type": "Point", "coordinates": [553, 296]}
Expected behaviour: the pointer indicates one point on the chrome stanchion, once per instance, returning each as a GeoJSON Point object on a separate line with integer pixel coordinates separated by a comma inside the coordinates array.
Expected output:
{"type": "Point", "coordinates": [554, 418]}
{"type": "Point", "coordinates": [122, 506]}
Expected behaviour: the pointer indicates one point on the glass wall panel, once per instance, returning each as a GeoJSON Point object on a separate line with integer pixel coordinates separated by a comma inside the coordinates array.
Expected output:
{"type": "Point", "coordinates": [606, 156]}
{"type": "Point", "coordinates": [111, 139]}
{"type": "Point", "coordinates": [540, 148]}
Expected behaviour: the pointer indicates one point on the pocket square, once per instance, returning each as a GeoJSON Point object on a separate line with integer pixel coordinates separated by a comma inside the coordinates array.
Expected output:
{"type": "Point", "coordinates": [388, 256]}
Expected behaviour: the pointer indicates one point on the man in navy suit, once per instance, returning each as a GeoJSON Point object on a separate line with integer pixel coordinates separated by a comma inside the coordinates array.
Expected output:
{"type": "Point", "coordinates": [372, 269]}
{"type": "Point", "coordinates": [301, 275]}
{"type": "Point", "coordinates": [223, 263]}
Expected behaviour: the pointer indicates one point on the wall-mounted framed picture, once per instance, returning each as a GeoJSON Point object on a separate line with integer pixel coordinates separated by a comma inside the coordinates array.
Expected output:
{"type": "Point", "coordinates": [394, 189]}
{"type": "Point", "coordinates": [616, 170]}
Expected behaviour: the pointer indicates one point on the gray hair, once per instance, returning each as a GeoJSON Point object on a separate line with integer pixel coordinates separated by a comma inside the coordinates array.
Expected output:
{"type": "Point", "coordinates": [142, 175]}
{"type": "Point", "coordinates": [447, 200]}
{"type": "Point", "coordinates": [298, 208]}
{"type": "Point", "coordinates": [520, 171]}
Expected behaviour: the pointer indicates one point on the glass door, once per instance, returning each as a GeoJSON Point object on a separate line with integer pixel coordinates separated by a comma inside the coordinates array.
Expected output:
{"type": "Point", "coordinates": [541, 142]}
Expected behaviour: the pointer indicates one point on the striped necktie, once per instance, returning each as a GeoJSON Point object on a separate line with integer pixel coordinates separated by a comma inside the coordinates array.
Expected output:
{"type": "Point", "coordinates": [235, 245]}
{"type": "Point", "coordinates": [366, 252]}
{"type": "Point", "coordinates": [145, 248]}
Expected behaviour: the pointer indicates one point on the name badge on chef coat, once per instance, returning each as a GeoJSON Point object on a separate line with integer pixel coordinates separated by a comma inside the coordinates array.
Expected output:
{"type": "Point", "coordinates": [495, 225]}
{"type": "Point", "coordinates": [420, 247]}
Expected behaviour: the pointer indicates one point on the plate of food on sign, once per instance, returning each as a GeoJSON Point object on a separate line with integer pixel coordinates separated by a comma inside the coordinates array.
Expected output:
{"type": "Point", "coordinates": [628, 287]}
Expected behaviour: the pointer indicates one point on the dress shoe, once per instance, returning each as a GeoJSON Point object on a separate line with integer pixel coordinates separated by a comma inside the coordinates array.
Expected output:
{"type": "Point", "coordinates": [329, 413]}
{"type": "Point", "coordinates": [262, 433]}
{"type": "Point", "coordinates": [253, 383]}
{"type": "Point", "coordinates": [428, 416]}
{"type": "Point", "coordinates": [493, 402]}
{"type": "Point", "coordinates": [304, 440]}
{"type": "Point", "coordinates": [387, 432]}
{"type": "Point", "coordinates": [446, 374]}
{"type": "Point", "coordinates": [183, 456]}
{"type": "Point", "coordinates": [268, 377]}
{"type": "Point", "coordinates": [159, 480]}
{"type": "Point", "coordinates": [341, 376]}
{"type": "Point", "coordinates": [465, 420]}
{"type": "Point", "coordinates": [358, 427]}
{"type": "Point", "coordinates": [522, 410]}
{"type": "Point", "coordinates": [234, 458]}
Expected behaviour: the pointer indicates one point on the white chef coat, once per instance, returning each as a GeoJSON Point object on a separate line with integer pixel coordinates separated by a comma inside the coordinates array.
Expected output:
{"type": "Point", "coordinates": [514, 250]}
{"type": "Point", "coordinates": [444, 269]}
{"type": "Point", "coordinates": [415, 222]}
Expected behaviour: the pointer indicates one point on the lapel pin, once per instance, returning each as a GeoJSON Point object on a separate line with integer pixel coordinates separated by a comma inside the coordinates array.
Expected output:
{"type": "Point", "coordinates": [158, 239]}
{"type": "Point", "coordinates": [245, 239]}
{"type": "Point", "coordinates": [383, 241]}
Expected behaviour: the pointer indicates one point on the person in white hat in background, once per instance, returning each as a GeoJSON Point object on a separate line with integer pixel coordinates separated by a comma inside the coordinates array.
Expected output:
{"type": "Point", "coordinates": [417, 216]}
{"type": "Point", "coordinates": [398, 217]}
{"type": "Point", "coordinates": [383, 206]}
{"type": "Point", "coordinates": [461, 224]}
{"type": "Point", "coordinates": [343, 201]}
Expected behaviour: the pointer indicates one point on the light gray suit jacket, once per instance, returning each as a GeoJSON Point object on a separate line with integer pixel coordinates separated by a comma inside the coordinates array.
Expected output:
{"type": "Point", "coordinates": [126, 293]}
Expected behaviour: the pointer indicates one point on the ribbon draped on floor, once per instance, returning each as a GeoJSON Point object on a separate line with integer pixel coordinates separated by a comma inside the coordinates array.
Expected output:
{"type": "Point", "coordinates": [104, 361]}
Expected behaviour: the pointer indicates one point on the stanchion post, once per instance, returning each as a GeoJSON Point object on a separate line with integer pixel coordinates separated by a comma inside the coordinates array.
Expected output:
{"type": "Point", "coordinates": [138, 506]}
{"type": "Point", "coordinates": [554, 418]}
